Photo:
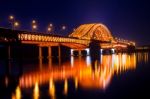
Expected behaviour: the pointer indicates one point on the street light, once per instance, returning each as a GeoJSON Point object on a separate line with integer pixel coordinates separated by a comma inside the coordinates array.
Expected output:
{"type": "Point", "coordinates": [33, 21]}
{"type": "Point", "coordinates": [16, 24]}
{"type": "Point", "coordinates": [11, 17]}
{"type": "Point", "coordinates": [50, 28]}
{"type": "Point", "coordinates": [12, 20]}
{"type": "Point", "coordinates": [34, 25]}
{"type": "Point", "coordinates": [63, 27]}
{"type": "Point", "coordinates": [51, 25]}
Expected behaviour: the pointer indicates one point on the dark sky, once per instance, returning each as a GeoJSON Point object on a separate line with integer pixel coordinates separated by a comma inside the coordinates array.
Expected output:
{"type": "Point", "coordinates": [128, 19]}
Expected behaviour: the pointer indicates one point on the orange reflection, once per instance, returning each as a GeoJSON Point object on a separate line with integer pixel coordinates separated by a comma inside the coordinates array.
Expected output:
{"type": "Point", "coordinates": [36, 91]}
{"type": "Point", "coordinates": [76, 83]}
{"type": "Point", "coordinates": [142, 56]}
{"type": "Point", "coordinates": [17, 94]}
{"type": "Point", "coordinates": [52, 89]}
{"type": "Point", "coordinates": [83, 73]}
{"type": "Point", "coordinates": [65, 87]}
{"type": "Point", "coordinates": [123, 62]}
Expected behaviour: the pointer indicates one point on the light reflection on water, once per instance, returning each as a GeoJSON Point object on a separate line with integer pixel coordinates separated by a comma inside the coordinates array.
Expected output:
{"type": "Point", "coordinates": [81, 70]}
{"type": "Point", "coordinates": [142, 57]}
{"type": "Point", "coordinates": [17, 94]}
{"type": "Point", "coordinates": [36, 91]}
{"type": "Point", "coordinates": [51, 89]}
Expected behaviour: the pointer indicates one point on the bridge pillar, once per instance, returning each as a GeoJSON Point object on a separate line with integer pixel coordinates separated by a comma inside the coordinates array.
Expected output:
{"type": "Point", "coordinates": [40, 52]}
{"type": "Point", "coordinates": [80, 54]}
{"type": "Point", "coordinates": [49, 52]}
{"type": "Point", "coordinates": [59, 55]}
{"type": "Point", "coordinates": [59, 51]}
{"type": "Point", "coordinates": [49, 56]}
{"type": "Point", "coordinates": [94, 53]}
{"type": "Point", "coordinates": [40, 56]}
{"type": "Point", "coordinates": [8, 66]}
{"type": "Point", "coordinates": [9, 53]}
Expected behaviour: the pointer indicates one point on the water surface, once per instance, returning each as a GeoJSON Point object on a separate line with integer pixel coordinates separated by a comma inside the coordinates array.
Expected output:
{"type": "Point", "coordinates": [122, 75]}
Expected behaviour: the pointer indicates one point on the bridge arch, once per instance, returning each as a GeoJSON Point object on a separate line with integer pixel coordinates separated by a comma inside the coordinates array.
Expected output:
{"type": "Point", "coordinates": [93, 31]}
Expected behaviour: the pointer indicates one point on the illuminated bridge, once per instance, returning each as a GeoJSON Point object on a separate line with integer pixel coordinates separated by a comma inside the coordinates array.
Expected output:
{"type": "Point", "coordinates": [80, 39]}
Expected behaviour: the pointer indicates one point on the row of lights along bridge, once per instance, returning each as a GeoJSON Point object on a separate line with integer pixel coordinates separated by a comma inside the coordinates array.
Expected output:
{"type": "Point", "coordinates": [34, 25]}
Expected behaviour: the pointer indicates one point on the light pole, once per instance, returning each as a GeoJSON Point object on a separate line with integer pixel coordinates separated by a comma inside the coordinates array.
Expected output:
{"type": "Point", "coordinates": [50, 28]}
{"type": "Point", "coordinates": [63, 29]}
{"type": "Point", "coordinates": [34, 25]}
{"type": "Point", "coordinates": [16, 24]}
{"type": "Point", "coordinates": [12, 20]}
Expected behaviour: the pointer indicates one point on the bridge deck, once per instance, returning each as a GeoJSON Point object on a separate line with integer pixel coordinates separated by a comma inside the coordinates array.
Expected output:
{"type": "Point", "coordinates": [43, 39]}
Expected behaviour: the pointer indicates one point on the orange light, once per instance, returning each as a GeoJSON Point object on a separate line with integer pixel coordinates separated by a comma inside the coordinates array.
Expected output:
{"type": "Point", "coordinates": [51, 25]}
{"type": "Point", "coordinates": [11, 17]}
{"type": "Point", "coordinates": [34, 26]}
{"type": "Point", "coordinates": [17, 94]}
{"type": "Point", "coordinates": [33, 21]}
{"type": "Point", "coordinates": [49, 29]}
{"type": "Point", "coordinates": [16, 24]}
{"type": "Point", "coordinates": [36, 91]}
{"type": "Point", "coordinates": [65, 87]}
{"type": "Point", "coordinates": [52, 89]}
{"type": "Point", "coordinates": [94, 78]}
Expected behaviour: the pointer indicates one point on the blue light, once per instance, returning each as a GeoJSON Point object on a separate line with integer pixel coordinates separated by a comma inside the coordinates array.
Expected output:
{"type": "Point", "coordinates": [101, 51]}
{"type": "Point", "coordinates": [88, 51]}
{"type": "Point", "coordinates": [113, 50]}
{"type": "Point", "coordinates": [71, 51]}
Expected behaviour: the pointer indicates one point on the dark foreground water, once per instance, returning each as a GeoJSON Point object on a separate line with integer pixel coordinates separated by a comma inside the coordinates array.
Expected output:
{"type": "Point", "coordinates": [122, 75]}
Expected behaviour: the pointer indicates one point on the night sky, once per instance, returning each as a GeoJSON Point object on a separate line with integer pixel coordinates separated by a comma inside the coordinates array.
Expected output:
{"type": "Point", "coordinates": [128, 19]}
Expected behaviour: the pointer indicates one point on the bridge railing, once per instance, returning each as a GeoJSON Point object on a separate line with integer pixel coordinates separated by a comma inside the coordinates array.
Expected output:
{"type": "Point", "coordinates": [49, 38]}
{"type": "Point", "coordinates": [123, 41]}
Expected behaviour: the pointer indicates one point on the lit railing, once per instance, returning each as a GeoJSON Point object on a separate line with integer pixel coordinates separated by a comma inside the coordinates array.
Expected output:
{"type": "Point", "coordinates": [46, 38]}
{"type": "Point", "coordinates": [127, 42]}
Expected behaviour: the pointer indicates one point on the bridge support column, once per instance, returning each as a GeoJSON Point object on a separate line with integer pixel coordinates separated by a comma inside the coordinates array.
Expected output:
{"type": "Point", "coordinates": [9, 59]}
{"type": "Point", "coordinates": [80, 54]}
{"type": "Point", "coordinates": [59, 55]}
{"type": "Point", "coordinates": [9, 52]}
{"type": "Point", "coordinates": [49, 56]}
{"type": "Point", "coordinates": [59, 51]}
{"type": "Point", "coordinates": [40, 56]}
{"type": "Point", "coordinates": [49, 52]}
{"type": "Point", "coordinates": [94, 53]}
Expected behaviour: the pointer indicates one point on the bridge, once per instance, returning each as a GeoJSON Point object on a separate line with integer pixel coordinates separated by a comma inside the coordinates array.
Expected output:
{"type": "Point", "coordinates": [79, 40]}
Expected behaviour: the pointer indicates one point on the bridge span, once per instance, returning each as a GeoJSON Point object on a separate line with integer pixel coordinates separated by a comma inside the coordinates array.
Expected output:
{"type": "Point", "coordinates": [80, 39]}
